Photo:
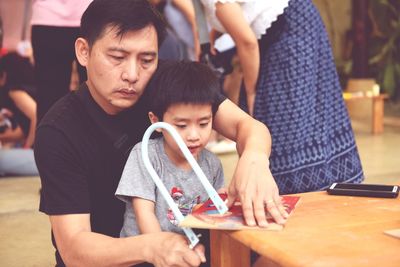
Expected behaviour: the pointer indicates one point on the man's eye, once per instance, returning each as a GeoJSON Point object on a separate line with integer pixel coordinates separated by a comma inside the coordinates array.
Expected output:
{"type": "Point", "coordinates": [180, 126]}
{"type": "Point", "coordinates": [147, 61]}
{"type": "Point", "coordinates": [204, 124]}
{"type": "Point", "coordinates": [119, 58]}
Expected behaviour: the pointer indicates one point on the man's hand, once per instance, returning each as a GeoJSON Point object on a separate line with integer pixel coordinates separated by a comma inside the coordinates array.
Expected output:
{"type": "Point", "coordinates": [172, 249]}
{"type": "Point", "coordinates": [255, 187]}
{"type": "Point", "coordinates": [252, 182]}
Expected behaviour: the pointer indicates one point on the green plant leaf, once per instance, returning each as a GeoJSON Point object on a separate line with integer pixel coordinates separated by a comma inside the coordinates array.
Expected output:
{"type": "Point", "coordinates": [397, 78]}
{"type": "Point", "coordinates": [383, 54]}
{"type": "Point", "coordinates": [389, 81]}
{"type": "Point", "coordinates": [390, 7]}
{"type": "Point", "coordinates": [384, 44]}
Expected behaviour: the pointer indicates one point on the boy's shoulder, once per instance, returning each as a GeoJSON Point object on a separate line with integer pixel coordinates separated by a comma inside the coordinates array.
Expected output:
{"type": "Point", "coordinates": [154, 147]}
{"type": "Point", "coordinates": [210, 157]}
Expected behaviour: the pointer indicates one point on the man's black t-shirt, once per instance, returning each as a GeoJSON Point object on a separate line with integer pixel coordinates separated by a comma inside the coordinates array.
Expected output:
{"type": "Point", "coordinates": [80, 152]}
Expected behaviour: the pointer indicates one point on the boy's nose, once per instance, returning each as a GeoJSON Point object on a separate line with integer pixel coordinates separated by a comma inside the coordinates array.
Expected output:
{"type": "Point", "coordinates": [193, 134]}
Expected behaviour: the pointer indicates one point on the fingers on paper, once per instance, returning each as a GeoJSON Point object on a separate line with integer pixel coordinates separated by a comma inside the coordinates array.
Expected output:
{"type": "Point", "coordinates": [281, 207]}
{"type": "Point", "coordinates": [248, 212]}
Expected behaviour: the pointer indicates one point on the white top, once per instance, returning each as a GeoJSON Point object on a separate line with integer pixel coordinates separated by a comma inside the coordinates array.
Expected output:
{"type": "Point", "coordinates": [179, 23]}
{"type": "Point", "coordinates": [61, 13]}
{"type": "Point", "coordinates": [260, 14]}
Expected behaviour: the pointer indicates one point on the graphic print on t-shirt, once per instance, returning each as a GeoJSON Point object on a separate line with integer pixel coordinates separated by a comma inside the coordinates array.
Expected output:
{"type": "Point", "coordinates": [185, 204]}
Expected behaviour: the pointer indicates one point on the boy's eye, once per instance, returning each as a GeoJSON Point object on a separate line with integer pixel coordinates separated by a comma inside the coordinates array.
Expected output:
{"type": "Point", "coordinates": [204, 124]}
{"type": "Point", "coordinates": [180, 126]}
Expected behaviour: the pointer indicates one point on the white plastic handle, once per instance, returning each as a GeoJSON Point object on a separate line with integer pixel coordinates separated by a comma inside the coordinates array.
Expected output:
{"type": "Point", "coordinates": [218, 202]}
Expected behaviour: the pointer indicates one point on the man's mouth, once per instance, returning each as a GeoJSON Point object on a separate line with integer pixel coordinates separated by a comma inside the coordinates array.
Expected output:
{"type": "Point", "coordinates": [127, 92]}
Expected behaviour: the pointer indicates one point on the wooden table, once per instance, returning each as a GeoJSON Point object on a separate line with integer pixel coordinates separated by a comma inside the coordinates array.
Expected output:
{"type": "Point", "coordinates": [324, 230]}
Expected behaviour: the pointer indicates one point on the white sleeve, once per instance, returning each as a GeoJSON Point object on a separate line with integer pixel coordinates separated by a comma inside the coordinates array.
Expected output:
{"type": "Point", "coordinates": [260, 14]}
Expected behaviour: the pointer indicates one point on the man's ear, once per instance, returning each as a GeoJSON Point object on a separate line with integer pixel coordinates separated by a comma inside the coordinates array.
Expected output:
{"type": "Point", "coordinates": [153, 119]}
{"type": "Point", "coordinates": [82, 51]}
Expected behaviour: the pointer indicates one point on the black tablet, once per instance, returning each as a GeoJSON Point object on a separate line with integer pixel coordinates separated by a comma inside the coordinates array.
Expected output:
{"type": "Point", "coordinates": [364, 190]}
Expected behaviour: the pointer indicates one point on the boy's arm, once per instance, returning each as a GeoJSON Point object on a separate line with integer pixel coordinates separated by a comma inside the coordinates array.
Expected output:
{"type": "Point", "coordinates": [145, 217]}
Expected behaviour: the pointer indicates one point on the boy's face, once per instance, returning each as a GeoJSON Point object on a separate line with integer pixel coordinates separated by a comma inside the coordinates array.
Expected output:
{"type": "Point", "coordinates": [119, 68]}
{"type": "Point", "coordinates": [193, 123]}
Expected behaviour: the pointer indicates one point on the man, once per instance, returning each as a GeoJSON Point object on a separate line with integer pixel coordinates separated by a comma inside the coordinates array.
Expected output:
{"type": "Point", "coordinates": [83, 142]}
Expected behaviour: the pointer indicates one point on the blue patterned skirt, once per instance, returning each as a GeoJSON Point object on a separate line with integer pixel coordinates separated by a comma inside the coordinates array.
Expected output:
{"type": "Point", "coordinates": [300, 99]}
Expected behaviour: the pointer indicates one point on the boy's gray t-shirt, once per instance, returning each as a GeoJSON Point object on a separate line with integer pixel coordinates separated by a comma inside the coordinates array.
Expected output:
{"type": "Point", "coordinates": [183, 185]}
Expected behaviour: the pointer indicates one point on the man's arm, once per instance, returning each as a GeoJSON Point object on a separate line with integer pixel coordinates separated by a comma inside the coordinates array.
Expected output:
{"type": "Point", "coordinates": [252, 182]}
{"type": "Point", "coordinates": [145, 217]}
{"type": "Point", "coordinates": [79, 246]}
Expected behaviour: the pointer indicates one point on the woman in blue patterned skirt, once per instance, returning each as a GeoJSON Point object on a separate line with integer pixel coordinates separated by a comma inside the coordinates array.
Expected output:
{"type": "Point", "coordinates": [292, 86]}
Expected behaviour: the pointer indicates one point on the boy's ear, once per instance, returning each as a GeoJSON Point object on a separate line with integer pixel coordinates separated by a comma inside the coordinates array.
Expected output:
{"type": "Point", "coordinates": [82, 51]}
{"type": "Point", "coordinates": [153, 119]}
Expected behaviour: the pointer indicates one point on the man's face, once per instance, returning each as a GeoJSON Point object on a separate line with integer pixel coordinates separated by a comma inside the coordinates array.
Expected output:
{"type": "Point", "coordinates": [193, 123]}
{"type": "Point", "coordinates": [119, 69]}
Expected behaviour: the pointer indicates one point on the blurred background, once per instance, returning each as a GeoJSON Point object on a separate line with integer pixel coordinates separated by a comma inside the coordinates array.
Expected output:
{"type": "Point", "coordinates": [365, 38]}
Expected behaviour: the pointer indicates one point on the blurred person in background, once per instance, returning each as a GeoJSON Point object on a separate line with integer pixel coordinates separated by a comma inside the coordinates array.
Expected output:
{"type": "Point", "coordinates": [55, 27]}
{"type": "Point", "coordinates": [291, 85]}
{"type": "Point", "coordinates": [180, 15]}
{"type": "Point", "coordinates": [17, 115]}
{"type": "Point", "coordinates": [181, 41]}
{"type": "Point", "coordinates": [17, 99]}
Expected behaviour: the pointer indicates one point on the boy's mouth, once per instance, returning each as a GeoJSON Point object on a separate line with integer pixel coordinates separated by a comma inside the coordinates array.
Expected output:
{"type": "Point", "coordinates": [193, 149]}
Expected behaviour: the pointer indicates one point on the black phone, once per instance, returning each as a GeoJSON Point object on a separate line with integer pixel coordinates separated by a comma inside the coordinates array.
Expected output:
{"type": "Point", "coordinates": [364, 190]}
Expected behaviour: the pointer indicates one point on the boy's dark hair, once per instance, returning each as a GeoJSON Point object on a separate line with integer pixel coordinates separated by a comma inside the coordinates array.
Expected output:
{"type": "Point", "coordinates": [183, 82]}
{"type": "Point", "coordinates": [124, 15]}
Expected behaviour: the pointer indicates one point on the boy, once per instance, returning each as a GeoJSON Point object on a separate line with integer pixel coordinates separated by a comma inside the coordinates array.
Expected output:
{"type": "Point", "coordinates": [185, 95]}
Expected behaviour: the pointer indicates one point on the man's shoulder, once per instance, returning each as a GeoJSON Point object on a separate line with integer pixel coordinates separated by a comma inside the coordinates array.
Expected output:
{"type": "Point", "coordinates": [65, 110]}
{"type": "Point", "coordinates": [66, 119]}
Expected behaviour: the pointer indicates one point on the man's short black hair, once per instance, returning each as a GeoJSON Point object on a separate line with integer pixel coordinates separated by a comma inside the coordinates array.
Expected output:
{"type": "Point", "coordinates": [183, 82]}
{"type": "Point", "coordinates": [124, 15]}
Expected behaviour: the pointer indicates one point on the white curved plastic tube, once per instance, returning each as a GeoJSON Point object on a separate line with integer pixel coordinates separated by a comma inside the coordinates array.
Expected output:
{"type": "Point", "coordinates": [218, 202]}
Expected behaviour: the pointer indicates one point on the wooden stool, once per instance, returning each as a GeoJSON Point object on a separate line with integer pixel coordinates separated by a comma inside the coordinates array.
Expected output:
{"type": "Point", "coordinates": [377, 109]}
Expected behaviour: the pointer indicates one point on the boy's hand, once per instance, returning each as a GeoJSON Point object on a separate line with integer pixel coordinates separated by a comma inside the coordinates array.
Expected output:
{"type": "Point", "coordinates": [222, 190]}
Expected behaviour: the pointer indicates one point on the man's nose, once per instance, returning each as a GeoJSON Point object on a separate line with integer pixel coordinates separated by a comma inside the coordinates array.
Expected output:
{"type": "Point", "coordinates": [131, 72]}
